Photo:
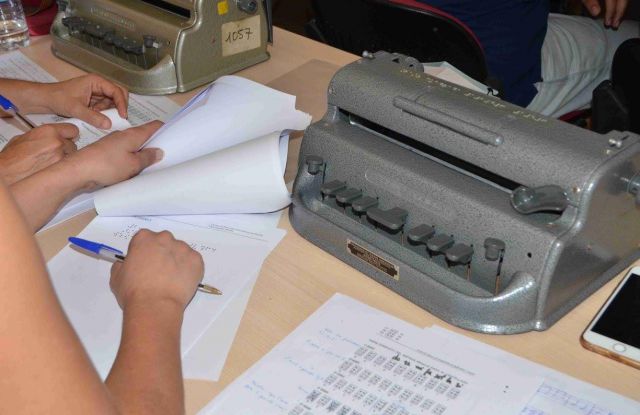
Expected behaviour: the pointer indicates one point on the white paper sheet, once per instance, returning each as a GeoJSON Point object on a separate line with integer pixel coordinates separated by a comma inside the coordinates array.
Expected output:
{"type": "Point", "coordinates": [216, 159]}
{"type": "Point", "coordinates": [88, 133]}
{"type": "Point", "coordinates": [207, 357]}
{"type": "Point", "coordinates": [246, 178]}
{"type": "Point", "coordinates": [15, 65]}
{"type": "Point", "coordinates": [333, 363]}
{"type": "Point", "coordinates": [142, 109]}
{"type": "Point", "coordinates": [7, 132]}
{"type": "Point", "coordinates": [448, 72]}
{"type": "Point", "coordinates": [74, 207]}
{"type": "Point", "coordinates": [231, 111]}
{"type": "Point", "coordinates": [82, 282]}
{"type": "Point", "coordinates": [559, 394]}
{"type": "Point", "coordinates": [244, 224]}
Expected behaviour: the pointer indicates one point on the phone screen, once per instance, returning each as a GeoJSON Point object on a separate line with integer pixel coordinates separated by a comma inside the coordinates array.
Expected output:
{"type": "Point", "coordinates": [621, 320]}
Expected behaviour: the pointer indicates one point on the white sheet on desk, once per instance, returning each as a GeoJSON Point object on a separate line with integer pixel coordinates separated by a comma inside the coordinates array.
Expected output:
{"type": "Point", "coordinates": [250, 224]}
{"type": "Point", "coordinates": [208, 355]}
{"type": "Point", "coordinates": [245, 178]}
{"type": "Point", "coordinates": [82, 281]}
{"type": "Point", "coordinates": [88, 133]}
{"type": "Point", "coordinates": [229, 112]}
{"type": "Point", "coordinates": [15, 65]}
{"type": "Point", "coordinates": [559, 394]}
{"type": "Point", "coordinates": [7, 132]}
{"type": "Point", "coordinates": [142, 109]}
{"type": "Point", "coordinates": [337, 350]}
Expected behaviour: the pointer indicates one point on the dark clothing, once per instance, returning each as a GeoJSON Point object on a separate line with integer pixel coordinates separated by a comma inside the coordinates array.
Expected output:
{"type": "Point", "coordinates": [511, 33]}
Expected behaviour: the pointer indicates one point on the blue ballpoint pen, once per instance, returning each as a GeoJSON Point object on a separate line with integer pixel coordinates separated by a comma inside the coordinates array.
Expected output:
{"type": "Point", "coordinates": [10, 108]}
{"type": "Point", "coordinates": [117, 255]}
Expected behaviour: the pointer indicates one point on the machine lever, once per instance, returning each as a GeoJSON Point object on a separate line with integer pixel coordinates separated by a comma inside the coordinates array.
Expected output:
{"type": "Point", "coordinates": [449, 121]}
{"type": "Point", "coordinates": [527, 200]}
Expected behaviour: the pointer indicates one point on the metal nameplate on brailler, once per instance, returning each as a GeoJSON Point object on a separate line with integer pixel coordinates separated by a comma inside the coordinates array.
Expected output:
{"type": "Point", "coordinates": [374, 260]}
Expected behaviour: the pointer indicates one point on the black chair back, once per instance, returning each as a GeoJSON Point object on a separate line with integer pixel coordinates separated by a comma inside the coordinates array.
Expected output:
{"type": "Point", "coordinates": [397, 26]}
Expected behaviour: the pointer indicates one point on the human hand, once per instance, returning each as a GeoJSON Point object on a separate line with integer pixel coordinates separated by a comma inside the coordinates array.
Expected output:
{"type": "Point", "coordinates": [36, 149]}
{"type": "Point", "coordinates": [115, 157]}
{"type": "Point", "coordinates": [158, 268]}
{"type": "Point", "coordinates": [614, 10]}
{"type": "Point", "coordinates": [84, 97]}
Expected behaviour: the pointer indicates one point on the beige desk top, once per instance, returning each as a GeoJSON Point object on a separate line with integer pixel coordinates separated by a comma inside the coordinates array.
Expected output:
{"type": "Point", "coordinates": [298, 277]}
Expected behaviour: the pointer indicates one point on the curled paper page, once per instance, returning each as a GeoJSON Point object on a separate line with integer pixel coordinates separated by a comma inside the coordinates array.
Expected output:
{"type": "Point", "coordinates": [117, 122]}
{"type": "Point", "coordinates": [224, 152]}
{"type": "Point", "coordinates": [231, 111]}
{"type": "Point", "coordinates": [246, 178]}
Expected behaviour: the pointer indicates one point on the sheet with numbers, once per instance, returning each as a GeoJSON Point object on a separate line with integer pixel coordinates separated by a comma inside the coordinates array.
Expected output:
{"type": "Point", "coordinates": [351, 359]}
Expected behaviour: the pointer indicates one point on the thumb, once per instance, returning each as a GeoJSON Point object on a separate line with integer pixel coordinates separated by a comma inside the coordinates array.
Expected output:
{"type": "Point", "coordinates": [148, 156]}
{"type": "Point", "coordinates": [137, 136]}
{"type": "Point", "coordinates": [91, 116]}
{"type": "Point", "coordinates": [115, 268]}
{"type": "Point", "coordinates": [65, 130]}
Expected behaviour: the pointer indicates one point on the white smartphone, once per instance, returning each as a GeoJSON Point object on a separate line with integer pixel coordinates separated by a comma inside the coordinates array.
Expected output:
{"type": "Point", "coordinates": [615, 331]}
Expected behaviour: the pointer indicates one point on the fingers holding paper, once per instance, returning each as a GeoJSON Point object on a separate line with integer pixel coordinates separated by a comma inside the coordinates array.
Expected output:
{"type": "Point", "coordinates": [158, 269]}
{"type": "Point", "coordinates": [117, 156]}
{"type": "Point", "coordinates": [84, 97]}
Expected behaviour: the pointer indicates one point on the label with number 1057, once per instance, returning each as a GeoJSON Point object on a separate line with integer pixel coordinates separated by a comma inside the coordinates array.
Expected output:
{"type": "Point", "coordinates": [240, 36]}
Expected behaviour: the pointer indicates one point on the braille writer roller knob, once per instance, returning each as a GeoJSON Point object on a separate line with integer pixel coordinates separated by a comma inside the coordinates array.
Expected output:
{"type": "Point", "coordinates": [248, 6]}
{"type": "Point", "coordinates": [527, 200]}
{"type": "Point", "coordinates": [634, 187]}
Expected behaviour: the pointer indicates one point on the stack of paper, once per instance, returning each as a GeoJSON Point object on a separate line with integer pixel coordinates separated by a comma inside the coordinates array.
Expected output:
{"type": "Point", "coordinates": [225, 152]}
{"type": "Point", "coordinates": [333, 363]}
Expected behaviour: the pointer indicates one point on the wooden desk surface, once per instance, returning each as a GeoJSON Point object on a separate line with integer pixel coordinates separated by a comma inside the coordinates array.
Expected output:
{"type": "Point", "coordinates": [298, 277]}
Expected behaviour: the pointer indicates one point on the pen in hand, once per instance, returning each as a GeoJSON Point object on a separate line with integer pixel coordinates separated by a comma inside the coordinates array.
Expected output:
{"type": "Point", "coordinates": [106, 251]}
{"type": "Point", "coordinates": [10, 108]}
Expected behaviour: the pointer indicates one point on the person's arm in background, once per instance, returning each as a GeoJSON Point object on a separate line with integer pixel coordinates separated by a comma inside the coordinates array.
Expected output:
{"type": "Point", "coordinates": [613, 10]}
{"type": "Point", "coordinates": [28, 153]}
{"type": "Point", "coordinates": [44, 367]}
{"type": "Point", "coordinates": [83, 97]}
{"type": "Point", "coordinates": [110, 160]}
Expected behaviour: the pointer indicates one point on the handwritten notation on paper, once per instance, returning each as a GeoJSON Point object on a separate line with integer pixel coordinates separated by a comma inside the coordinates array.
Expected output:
{"type": "Point", "coordinates": [130, 230]}
{"type": "Point", "coordinates": [568, 401]}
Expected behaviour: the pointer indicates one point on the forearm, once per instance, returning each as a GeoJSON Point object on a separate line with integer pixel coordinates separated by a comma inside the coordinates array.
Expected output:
{"type": "Point", "coordinates": [44, 367]}
{"type": "Point", "coordinates": [29, 97]}
{"type": "Point", "coordinates": [146, 377]}
{"type": "Point", "coordinates": [40, 195]}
